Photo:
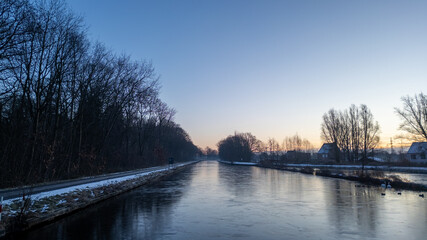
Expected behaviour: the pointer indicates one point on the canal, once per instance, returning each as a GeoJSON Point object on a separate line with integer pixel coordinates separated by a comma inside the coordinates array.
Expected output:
{"type": "Point", "coordinates": [211, 200]}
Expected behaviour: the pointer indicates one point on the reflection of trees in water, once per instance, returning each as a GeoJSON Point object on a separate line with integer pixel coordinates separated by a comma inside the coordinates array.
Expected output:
{"type": "Point", "coordinates": [303, 205]}
{"type": "Point", "coordinates": [271, 180]}
{"type": "Point", "coordinates": [349, 204]}
{"type": "Point", "coordinates": [236, 179]}
{"type": "Point", "coordinates": [139, 214]}
{"type": "Point", "coordinates": [243, 181]}
{"type": "Point", "coordinates": [154, 206]}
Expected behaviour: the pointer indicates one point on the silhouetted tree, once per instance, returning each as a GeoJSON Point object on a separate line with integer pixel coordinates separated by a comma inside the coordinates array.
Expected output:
{"type": "Point", "coordinates": [296, 143]}
{"type": "Point", "coordinates": [369, 132]}
{"type": "Point", "coordinates": [414, 117]}
{"type": "Point", "coordinates": [354, 125]}
{"type": "Point", "coordinates": [273, 149]}
{"type": "Point", "coordinates": [70, 108]}
{"type": "Point", "coordinates": [254, 144]}
{"type": "Point", "coordinates": [235, 148]}
{"type": "Point", "coordinates": [333, 129]}
{"type": "Point", "coordinates": [210, 153]}
{"type": "Point", "coordinates": [353, 130]}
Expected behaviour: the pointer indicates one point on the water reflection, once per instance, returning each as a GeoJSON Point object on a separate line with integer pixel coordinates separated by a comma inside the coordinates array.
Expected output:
{"type": "Point", "coordinates": [352, 210]}
{"type": "Point", "coordinates": [219, 201]}
{"type": "Point", "coordinates": [236, 181]}
{"type": "Point", "coordinates": [143, 213]}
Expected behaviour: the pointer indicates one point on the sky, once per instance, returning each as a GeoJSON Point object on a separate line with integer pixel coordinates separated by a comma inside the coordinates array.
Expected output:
{"type": "Point", "coordinates": [272, 68]}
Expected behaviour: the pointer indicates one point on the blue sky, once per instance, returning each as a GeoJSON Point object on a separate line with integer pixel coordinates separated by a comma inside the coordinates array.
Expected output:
{"type": "Point", "coordinates": [270, 67]}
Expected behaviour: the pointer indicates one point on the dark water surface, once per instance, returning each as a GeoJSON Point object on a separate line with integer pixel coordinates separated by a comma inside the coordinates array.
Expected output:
{"type": "Point", "coordinates": [211, 200]}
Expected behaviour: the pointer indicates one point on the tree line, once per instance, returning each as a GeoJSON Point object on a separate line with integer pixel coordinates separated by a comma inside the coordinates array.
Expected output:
{"type": "Point", "coordinates": [238, 147]}
{"type": "Point", "coordinates": [70, 107]}
{"type": "Point", "coordinates": [242, 146]}
{"type": "Point", "coordinates": [353, 130]}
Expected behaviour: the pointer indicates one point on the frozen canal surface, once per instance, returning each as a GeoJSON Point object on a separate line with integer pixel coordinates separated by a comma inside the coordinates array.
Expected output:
{"type": "Point", "coordinates": [412, 177]}
{"type": "Point", "coordinates": [211, 200]}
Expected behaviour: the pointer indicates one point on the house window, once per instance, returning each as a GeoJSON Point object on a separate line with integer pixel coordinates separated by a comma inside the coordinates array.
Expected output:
{"type": "Point", "coordinates": [413, 156]}
{"type": "Point", "coordinates": [423, 155]}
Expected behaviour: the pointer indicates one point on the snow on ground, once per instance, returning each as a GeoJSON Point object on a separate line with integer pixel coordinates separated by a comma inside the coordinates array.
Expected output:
{"type": "Point", "coordinates": [245, 163]}
{"type": "Point", "coordinates": [359, 166]}
{"type": "Point", "coordinates": [62, 201]}
{"type": "Point", "coordinates": [239, 163]}
{"type": "Point", "coordinates": [45, 208]}
{"type": "Point", "coordinates": [384, 168]}
{"type": "Point", "coordinates": [92, 185]}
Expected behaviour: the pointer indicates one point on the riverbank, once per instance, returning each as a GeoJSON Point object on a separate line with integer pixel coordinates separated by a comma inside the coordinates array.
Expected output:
{"type": "Point", "coordinates": [239, 163]}
{"type": "Point", "coordinates": [22, 214]}
{"type": "Point", "coordinates": [367, 167]}
{"type": "Point", "coordinates": [375, 178]}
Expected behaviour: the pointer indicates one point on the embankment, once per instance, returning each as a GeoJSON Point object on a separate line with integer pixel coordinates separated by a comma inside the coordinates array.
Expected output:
{"type": "Point", "coordinates": [377, 179]}
{"type": "Point", "coordinates": [337, 171]}
{"type": "Point", "coordinates": [31, 211]}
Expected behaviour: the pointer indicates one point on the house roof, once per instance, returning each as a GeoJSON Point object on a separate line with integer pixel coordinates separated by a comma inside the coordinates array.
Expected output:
{"type": "Point", "coordinates": [327, 147]}
{"type": "Point", "coordinates": [418, 147]}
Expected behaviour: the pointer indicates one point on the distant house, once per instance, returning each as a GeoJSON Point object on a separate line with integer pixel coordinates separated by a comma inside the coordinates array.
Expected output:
{"type": "Point", "coordinates": [417, 152]}
{"type": "Point", "coordinates": [329, 151]}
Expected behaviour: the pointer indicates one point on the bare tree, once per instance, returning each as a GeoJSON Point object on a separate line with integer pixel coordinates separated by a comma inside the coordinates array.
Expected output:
{"type": "Point", "coordinates": [330, 127]}
{"type": "Point", "coordinates": [69, 109]}
{"type": "Point", "coordinates": [210, 153]}
{"type": "Point", "coordinates": [308, 147]}
{"type": "Point", "coordinates": [354, 124]}
{"type": "Point", "coordinates": [353, 130]}
{"type": "Point", "coordinates": [369, 132]}
{"type": "Point", "coordinates": [333, 129]}
{"type": "Point", "coordinates": [12, 19]}
{"type": "Point", "coordinates": [414, 117]}
{"type": "Point", "coordinates": [254, 144]}
{"type": "Point", "coordinates": [235, 148]}
{"type": "Point", "coordinates": [294, 143]}
{"type": "Point", "coordinates": [344, 133]}
{"type": "Point", "coordinates": [273, 145]}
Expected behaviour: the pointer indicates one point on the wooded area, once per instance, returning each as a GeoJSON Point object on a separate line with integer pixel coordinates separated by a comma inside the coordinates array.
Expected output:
{"type": "Point", "coordinates": [238, 147]}
{"type": "Point", "coordinates": [69, 107]}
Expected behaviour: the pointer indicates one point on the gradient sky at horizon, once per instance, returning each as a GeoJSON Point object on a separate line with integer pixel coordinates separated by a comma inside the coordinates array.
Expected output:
{"type": "Point", "coordinates": [272, 68]}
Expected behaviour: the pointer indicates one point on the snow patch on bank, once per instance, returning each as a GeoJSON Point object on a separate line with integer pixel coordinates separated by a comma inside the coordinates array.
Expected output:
{"type": "Point", "coordinates": [238, 163]}
{"type": "Point", "coordinates": [369, 167]}
{"type": "Point", "coordinates": [89, 186]}
{"type": "Point", "coordinates": [384, 168]}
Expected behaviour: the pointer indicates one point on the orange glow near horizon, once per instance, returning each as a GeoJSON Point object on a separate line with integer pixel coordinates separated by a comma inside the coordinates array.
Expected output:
{"type": "Point", "coordinates": [384, 142]}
